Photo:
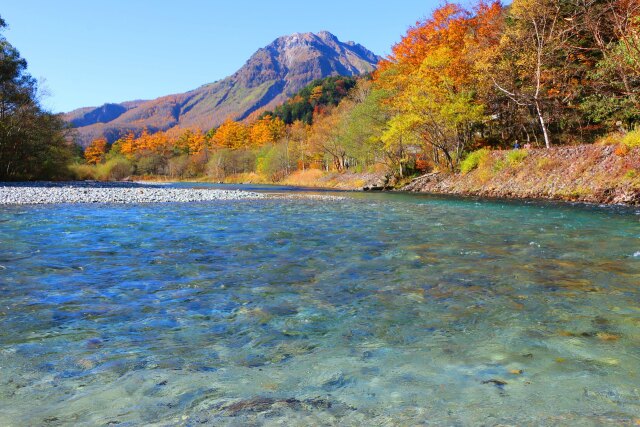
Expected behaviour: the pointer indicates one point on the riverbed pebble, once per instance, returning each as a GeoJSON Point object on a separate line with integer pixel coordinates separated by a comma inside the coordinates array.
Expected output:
{"type": "Point", "coordinates": [34, 194]}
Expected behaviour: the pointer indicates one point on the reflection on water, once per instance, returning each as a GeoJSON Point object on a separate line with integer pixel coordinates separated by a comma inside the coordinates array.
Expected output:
{"type": "Point", "coordinates": [371, 310]}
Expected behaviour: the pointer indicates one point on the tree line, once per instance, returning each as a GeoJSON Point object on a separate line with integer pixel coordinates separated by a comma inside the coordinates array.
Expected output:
{"type": "Point", "coordinates": [536, 73]}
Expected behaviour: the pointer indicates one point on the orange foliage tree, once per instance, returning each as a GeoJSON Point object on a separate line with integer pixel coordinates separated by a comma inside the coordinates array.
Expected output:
{"type": "Point", "coordinates": [95, 152]}
{"type": "Point", "coordinates": [432, 82]}
{"type": "Point", "coordinates": [231, 134]}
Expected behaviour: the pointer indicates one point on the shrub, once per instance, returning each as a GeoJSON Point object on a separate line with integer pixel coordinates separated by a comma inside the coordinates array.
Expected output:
{"type": "Point", "coordinates": [632, 139]}
{"type": "Point", "coordinates": [274, 162]}
{"type": "Point", "coordinates": [83, 172]}
{"type": "Point", "coordinates": [115, 169]}
{"type": "Point", "coordinates": [151, 164]}
{"type": "Point", "coordinates": [473, 160]}
{"type": "Point", "coordinates": [613, 138]}
{"type": "Point", "coordinates": [516, 157]}
{"type": "Point", "coordinates": [178, 166]}
{"type": "Point", "coordinates": [197, 165]}
{"type": "Point", "coordinates": [621, 150]}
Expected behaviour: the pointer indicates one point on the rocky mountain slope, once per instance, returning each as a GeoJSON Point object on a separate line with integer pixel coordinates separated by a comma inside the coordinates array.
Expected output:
{"type": "Point", "coordinates": [269, 77]}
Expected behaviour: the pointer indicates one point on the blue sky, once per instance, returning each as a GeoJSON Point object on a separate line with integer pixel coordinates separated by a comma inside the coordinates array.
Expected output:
{"type": "Point", "coordinates": [119, 50]}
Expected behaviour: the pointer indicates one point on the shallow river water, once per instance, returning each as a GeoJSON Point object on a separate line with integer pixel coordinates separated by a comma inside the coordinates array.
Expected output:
{"type": "Point", "coordinates": [370, 310]}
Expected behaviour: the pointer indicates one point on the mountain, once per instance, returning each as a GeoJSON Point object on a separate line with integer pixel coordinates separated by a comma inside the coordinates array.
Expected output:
{"type": "Point", "coordinates": [270, 76]}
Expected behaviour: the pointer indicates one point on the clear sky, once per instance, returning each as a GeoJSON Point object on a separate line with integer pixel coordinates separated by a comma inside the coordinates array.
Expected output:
{"type": "Point", "coordinates": [92, 52]}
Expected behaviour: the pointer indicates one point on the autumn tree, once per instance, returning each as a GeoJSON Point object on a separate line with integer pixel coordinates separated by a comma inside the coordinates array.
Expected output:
{"type": "Point", "coordinates": [327, 136]}
{"type": "Point", "coordinates": [316, 94]}
{"type": "Point", "coordinates": [96, 151]}
{"type": "Point", "coordinates": [523, 65]}
{"type": "Point", "coordinates": [230, 134]}
{"type": "Point", "coordinates": [192, 141]}
{"type": "Point", "coordinates": [277, 129]}
{"type": "Point", "coordinates": [127, 145]}
{"type": "Point", "coordinates": [298, 136]}
{"type": "Point", "coordinates": [260, 133]}
{"type": "Point", "coordinates": [432, 85]}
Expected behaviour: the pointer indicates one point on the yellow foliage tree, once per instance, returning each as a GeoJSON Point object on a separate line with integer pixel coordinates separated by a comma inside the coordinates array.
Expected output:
{"type": "Point", "coordinates": [128, 145]}
{"type": "Point", "coordinates": [260, 132]}
{"type": "Point", "coordinates": [95, 152]}
{"type": "Point", "coordinates": [277, 128]}
{"type": "Point", "coordinates": [196, 142]}
{"type": "Point", "coordinates": [231, 134]}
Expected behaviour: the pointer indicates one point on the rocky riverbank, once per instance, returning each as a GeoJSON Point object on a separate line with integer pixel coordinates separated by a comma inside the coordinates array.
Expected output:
{"type": "Point", "coordinates": [587, 173]}
{"type": "Point", "coordinates": [116, 193]}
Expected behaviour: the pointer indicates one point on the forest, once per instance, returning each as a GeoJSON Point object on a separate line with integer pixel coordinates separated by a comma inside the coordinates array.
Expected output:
{"type": "Point", "coordinates": [533, 74]}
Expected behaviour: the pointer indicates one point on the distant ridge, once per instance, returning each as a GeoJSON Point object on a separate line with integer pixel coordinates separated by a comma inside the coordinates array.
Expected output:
{"type": "Point", "coordinates": [270, 76]}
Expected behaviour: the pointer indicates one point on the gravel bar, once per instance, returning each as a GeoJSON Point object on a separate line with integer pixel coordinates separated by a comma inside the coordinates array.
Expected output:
{"type": "Point", "coordinates": [53, 194]}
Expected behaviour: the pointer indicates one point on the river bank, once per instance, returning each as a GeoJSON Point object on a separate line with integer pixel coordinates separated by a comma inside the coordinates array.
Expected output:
{"type": "Point", "coordinates": [311, 178]}
{"type": "Point", "coordinates": [586, 173]}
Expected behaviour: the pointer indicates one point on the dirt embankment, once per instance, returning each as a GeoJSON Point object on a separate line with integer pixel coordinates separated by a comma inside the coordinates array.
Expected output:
{"type": "Point", "coordinates": [586, 173]}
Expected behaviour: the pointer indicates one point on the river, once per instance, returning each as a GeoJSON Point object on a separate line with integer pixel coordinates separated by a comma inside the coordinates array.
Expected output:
{"type": "Point", "coordinates": [367, 309]}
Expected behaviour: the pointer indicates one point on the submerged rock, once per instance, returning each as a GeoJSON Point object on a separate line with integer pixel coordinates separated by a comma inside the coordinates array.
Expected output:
{"type": "Point", "coordinates": [267, 404]}
{"type": "Point", "coordinates": [498, 383]}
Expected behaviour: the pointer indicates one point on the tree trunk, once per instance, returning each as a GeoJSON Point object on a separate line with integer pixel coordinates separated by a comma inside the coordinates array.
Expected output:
{"type": "Point", "coordinates": [543, 125]}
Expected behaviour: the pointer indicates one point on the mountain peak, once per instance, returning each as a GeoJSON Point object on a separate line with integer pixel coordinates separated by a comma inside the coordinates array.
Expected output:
{"type": "Point", "coordinates": [326, 35]}
{"type": "Point", "coordinates": [270, 77]}
{"type": "Point", "coordinates": [322, 35]}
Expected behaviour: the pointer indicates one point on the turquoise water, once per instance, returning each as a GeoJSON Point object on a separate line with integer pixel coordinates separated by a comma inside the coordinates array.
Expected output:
{"type": "Point", "coordinates": [371, 310]}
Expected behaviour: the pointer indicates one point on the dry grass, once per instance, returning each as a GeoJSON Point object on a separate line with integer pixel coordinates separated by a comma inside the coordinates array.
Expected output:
{"type": "Point", "coordinates": [307, 178]}
{"type": "Point", "coordinates": [320, 179]}
{"type": "Point", "coordinates": [247, 178]}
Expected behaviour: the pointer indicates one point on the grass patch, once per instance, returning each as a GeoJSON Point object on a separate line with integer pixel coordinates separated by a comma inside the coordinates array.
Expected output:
{"type": "Point", "coordinates": [499, 165]}
{"type": "Point", "coordinates": [576, 193]}
{"type": "Point", "coordinates": [473, 160]}
{"type": "Point", "coordinates": [516, 157]}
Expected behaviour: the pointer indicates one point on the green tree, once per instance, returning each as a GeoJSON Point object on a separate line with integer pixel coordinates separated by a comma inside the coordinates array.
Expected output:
{"type": "Point", "coordinates": [33, 142]}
